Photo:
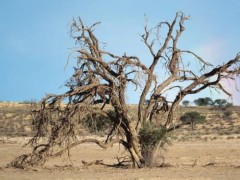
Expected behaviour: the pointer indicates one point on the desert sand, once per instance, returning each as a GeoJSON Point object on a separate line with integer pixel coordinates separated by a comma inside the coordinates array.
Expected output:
{"type": "Point", "coordinates": [215, 159]}
{"type": "Point", "coordinates": [211, 151]}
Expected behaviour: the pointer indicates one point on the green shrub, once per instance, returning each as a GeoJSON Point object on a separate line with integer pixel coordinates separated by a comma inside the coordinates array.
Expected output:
{"type": "Point", "coordinates": [151, 138]}
{"type": "Point", "coordinates": [192, 118]}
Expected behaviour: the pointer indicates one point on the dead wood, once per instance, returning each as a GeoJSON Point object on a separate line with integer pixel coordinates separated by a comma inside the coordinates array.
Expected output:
{"type": "Point", "coordinates": [101, 79]}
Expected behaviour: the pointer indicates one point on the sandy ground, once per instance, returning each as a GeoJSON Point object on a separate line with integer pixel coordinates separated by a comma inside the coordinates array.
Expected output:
{"type": "Point", "coordinates": [217, 159]}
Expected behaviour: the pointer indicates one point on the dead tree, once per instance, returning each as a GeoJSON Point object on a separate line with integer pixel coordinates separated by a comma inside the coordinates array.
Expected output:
{"type": "Point", "coordinates": [101, 78]}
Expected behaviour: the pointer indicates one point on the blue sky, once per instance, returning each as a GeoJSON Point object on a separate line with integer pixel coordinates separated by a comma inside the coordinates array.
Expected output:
{"type": "Point", "coordinates": [35, 40]}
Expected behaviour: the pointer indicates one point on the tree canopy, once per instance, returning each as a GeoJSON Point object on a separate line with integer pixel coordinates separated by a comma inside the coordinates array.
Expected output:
{"type": "Point", "coordinates": [203, 101]}
{"type": "Point", "coordinates": [185, 103]}
{"type": "Point", "coordinates": [220, 102]}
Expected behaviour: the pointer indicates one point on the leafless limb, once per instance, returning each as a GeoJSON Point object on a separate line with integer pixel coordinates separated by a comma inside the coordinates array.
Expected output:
{"type": "Point", "coordinates": [100, 80]}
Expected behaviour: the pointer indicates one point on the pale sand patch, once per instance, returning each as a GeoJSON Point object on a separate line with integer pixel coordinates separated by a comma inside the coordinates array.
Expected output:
{"type": "Point", "coordinates": [217, 159]}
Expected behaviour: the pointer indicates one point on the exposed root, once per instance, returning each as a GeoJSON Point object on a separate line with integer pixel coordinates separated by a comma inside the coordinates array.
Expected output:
{"type": "Point", "coordinates": [39, 157]}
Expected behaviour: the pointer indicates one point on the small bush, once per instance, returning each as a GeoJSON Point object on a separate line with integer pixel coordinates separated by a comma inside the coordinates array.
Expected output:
{"type": "Point", "coordinates": [227, 114]}
{"type": "Point", "coordinates": [192, 118]}
{"type": "Point", "coordinates": [151, 138]}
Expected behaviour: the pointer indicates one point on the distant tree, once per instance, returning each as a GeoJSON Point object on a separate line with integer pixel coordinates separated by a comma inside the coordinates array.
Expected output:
{"type": "Point", "coordinates": [228, 105]}
{"type": "Point", "coordinates": [208, 101]}
{"type": "Point", "coordinates": [186, 103]}
{"type": "Point", "coordinates": [220, 103]}
{"type": "Point", "coordinates": [100, 81]}
{"type": "Point", "coordinates": [203, 101]}
{"type": "Point", "coordinates": [192, 118]}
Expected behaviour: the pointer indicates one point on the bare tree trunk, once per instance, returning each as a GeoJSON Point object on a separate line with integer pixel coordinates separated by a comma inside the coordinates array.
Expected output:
{"type": "Point", "coordinates": [101, 78]}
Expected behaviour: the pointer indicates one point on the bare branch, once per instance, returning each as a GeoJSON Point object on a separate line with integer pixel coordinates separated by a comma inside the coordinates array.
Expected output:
{"type": "Point", "coordinates": [198, 57]}
{"type": "Point", "coordinates": [97, 93]}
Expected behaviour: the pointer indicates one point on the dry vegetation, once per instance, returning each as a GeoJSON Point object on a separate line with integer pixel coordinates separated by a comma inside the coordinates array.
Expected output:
{"type": "Point", "coordinates": [209, 151]}
{"type": "Point", "coordinates": [15, 121]}
{"type": "Point", "coordinates": [134, 135]}
{"type": "Point", "coordinates": [101, 79]}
